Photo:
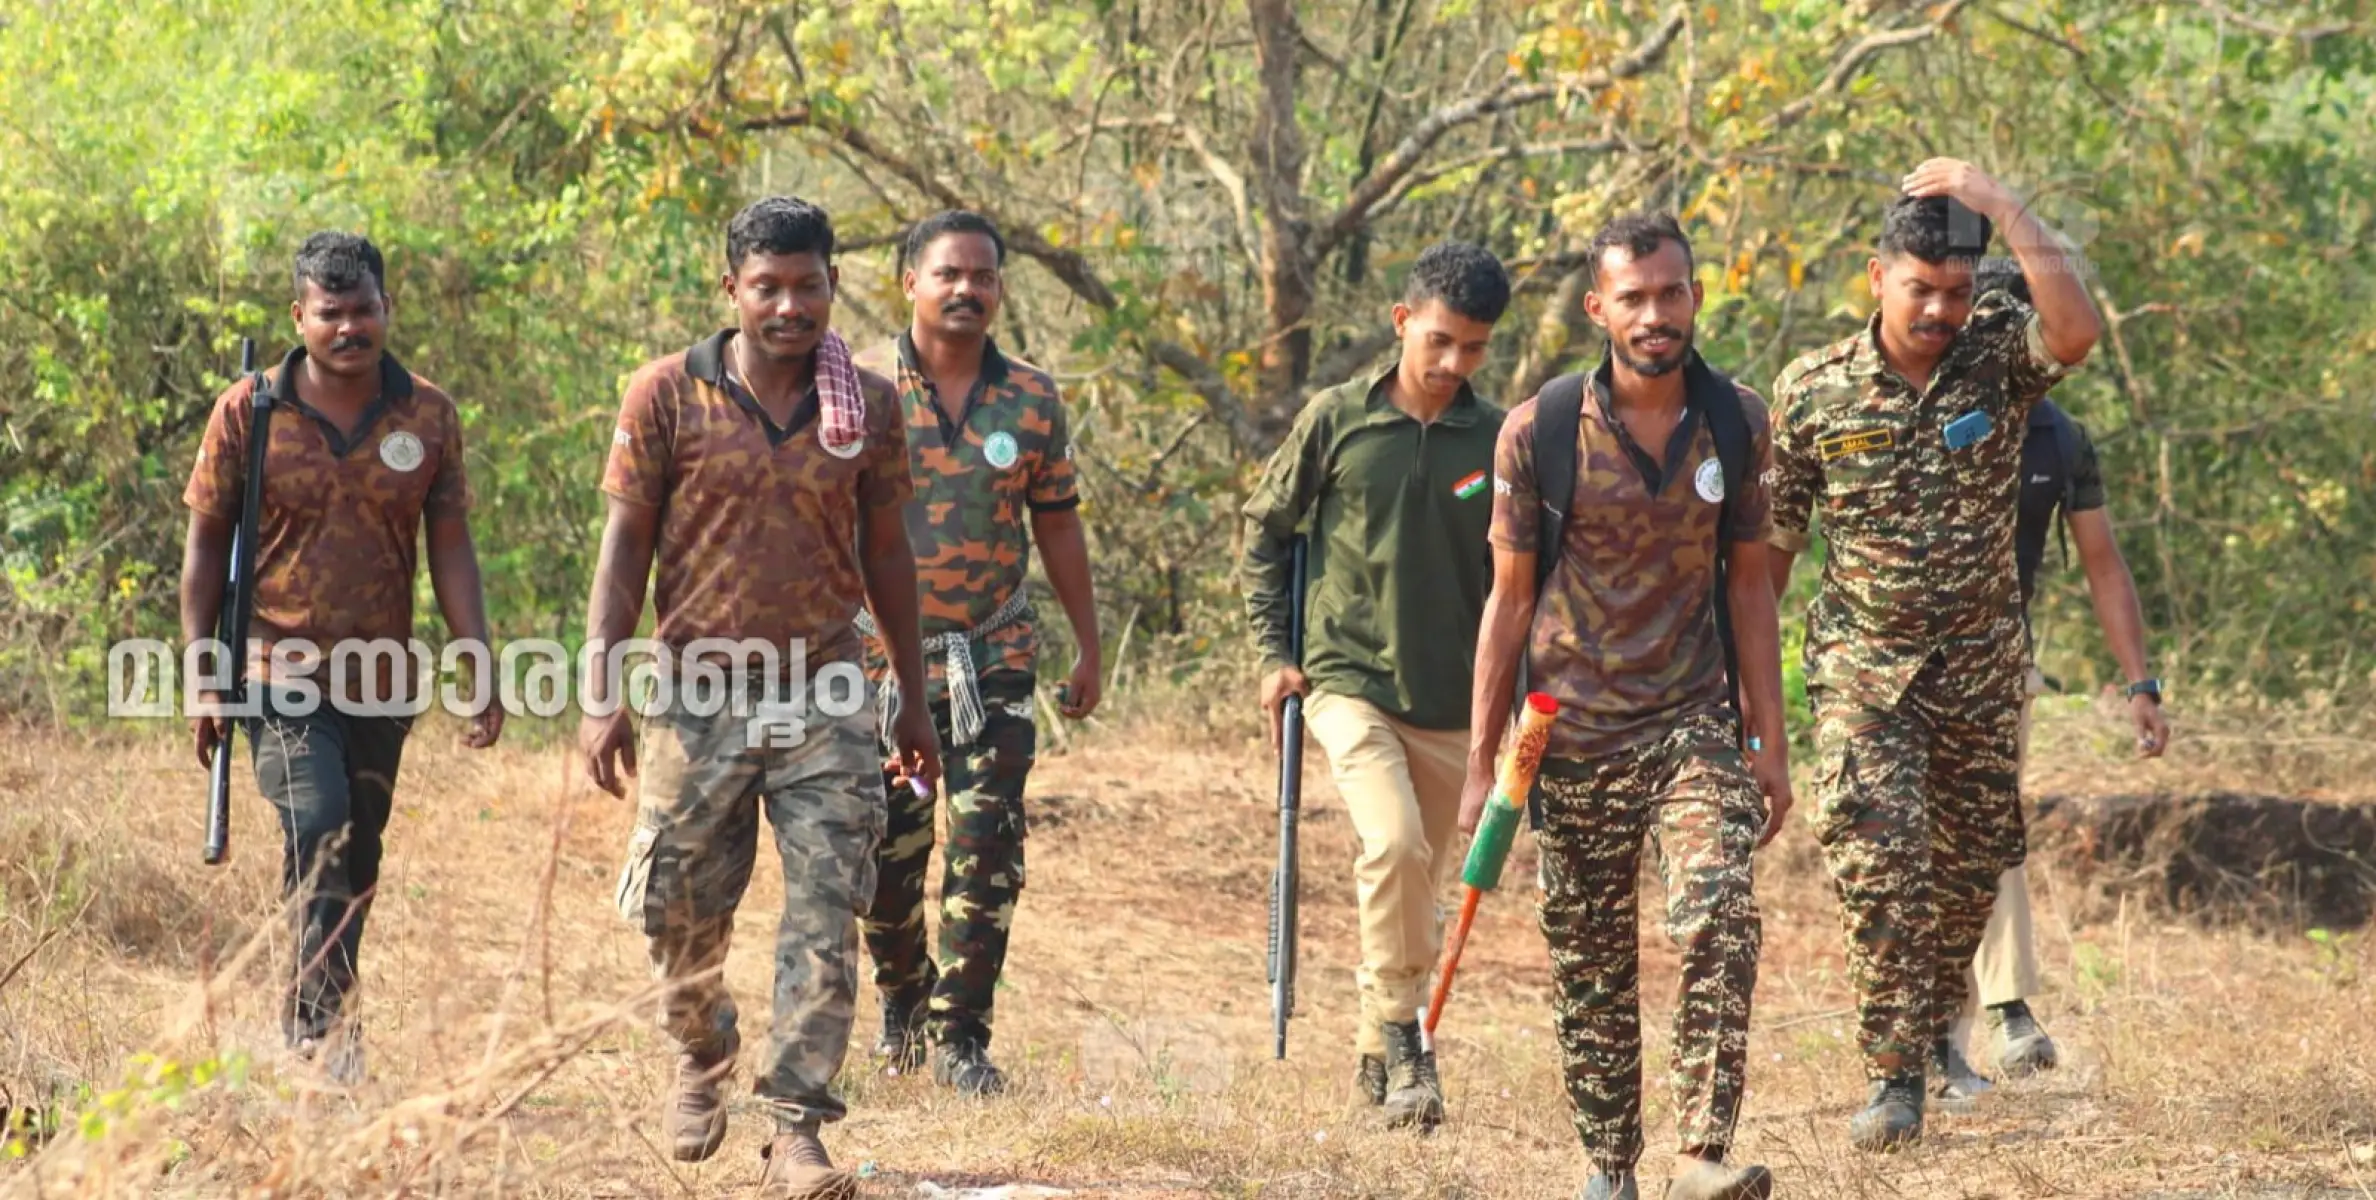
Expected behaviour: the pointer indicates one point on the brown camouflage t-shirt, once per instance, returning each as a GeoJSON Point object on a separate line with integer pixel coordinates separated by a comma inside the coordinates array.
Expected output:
{"type": "Point", "coordinates": [1624, 632]}
{"type": "Point", "coordinates": [340, 519]}
{"type": "Point", "coordinates": [977, 482]}
{"type": "Point", "coordinates": [760, 529]}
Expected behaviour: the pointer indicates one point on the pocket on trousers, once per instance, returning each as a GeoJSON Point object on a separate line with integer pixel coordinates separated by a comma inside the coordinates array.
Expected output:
{"type": "Point", "coordinates": [635, 876]}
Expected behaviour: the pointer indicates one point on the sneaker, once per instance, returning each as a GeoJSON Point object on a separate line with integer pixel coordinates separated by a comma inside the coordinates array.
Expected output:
{"type": "Point", "coordinates": [1372, 1079]}
{"type": "Point", "coordinates": [1413, 1093]}
{"type": "Point", "coordinates": [900, 1049]}
{"type": "Point", "coordinates": [697, 1113]}
{"type": "Point", "coordinates": [1716, 1181]}
{"type": "Point", "coordinates": [1610, 1185]}
{"type": "Point", "coordinates": [2023, 1046]}
{"type": "Point", "coordinates": [799, 1169]}
{"type": "Point", "coordinates": [1892, 1115]}
{"type": "Point", "coordinates": [1954, 1084]}
{"type": "Point", "coordinates": [966, 1066]}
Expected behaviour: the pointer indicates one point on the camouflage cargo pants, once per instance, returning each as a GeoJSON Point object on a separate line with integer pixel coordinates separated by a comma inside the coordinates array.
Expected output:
{"type": "Point", "coordinates": [1694, 790]}
{"type": "Point", "coordinates": [703, 786]}
{"type": "Point", "coordinates": [981, 877]}
{"type": "Point", "coordinates": [1918, 810]}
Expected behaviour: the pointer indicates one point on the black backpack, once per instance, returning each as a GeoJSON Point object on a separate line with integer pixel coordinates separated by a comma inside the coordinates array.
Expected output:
{"type": "Point", "coordinates": [1559, 416]}
{"type": "Point", "coordinates": [2050, 458]}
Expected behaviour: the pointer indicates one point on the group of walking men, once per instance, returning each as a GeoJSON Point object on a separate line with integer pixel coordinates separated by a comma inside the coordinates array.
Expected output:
{"type": "Point", "coordinates": [865, 509]}
{"type": "Point", "coordinates": [877, 508]}
{"type": "Point", "coordinates": [1619, 541]}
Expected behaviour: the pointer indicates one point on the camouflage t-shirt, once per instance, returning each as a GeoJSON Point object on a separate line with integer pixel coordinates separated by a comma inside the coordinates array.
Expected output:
{"type": "Point", "coordinates": [760, 526]}
{"type": "Point", "coordinates": [1920, 536]}
{"type": "Point", "coordinates": [977, 481]}
{"type": "Point", "coordinates": [1624, 632]}
{"type": "Point", "coordinates": [340, 519]}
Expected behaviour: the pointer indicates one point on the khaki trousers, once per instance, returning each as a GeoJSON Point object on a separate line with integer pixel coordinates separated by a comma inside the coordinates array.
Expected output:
{"type": "Point", "coordinates": [1401, 786]}
{"type": "Point", "coordinates": [2006, 967]}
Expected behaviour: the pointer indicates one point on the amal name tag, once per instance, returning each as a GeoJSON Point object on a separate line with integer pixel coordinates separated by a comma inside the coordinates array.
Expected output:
{"type": "Point", "coordinates": [1840, 445]}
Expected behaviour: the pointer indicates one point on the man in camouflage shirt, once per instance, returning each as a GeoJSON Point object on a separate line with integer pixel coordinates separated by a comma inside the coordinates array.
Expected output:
{"type": "Point", "coordinates": [1385, 476]}
{"type": "Point", "coordinates": [992, 459]}
{"type": "Point", "coordinates": [761, 478]}
{"type": "Point", "coordinates": [1906, 438]}
{"type": "Point", "coordinates": [360, 454]}
{"type": "Point", "coordinates": [1624, 637]}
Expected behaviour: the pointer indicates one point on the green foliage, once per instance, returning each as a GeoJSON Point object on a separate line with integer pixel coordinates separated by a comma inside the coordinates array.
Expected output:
{"type": "Point", "coordinates": [550, 184]}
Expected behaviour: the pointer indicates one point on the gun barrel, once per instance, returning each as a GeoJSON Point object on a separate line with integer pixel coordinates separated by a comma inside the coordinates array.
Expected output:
{"type": "Point", "coordinates": [1283, 878]}
{"type": "Point", "coordinates": [231, 617]}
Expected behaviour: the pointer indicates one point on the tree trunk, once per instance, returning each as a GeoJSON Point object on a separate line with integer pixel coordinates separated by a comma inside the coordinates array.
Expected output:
{"type": "Point", "coordinates": [1277, 152]}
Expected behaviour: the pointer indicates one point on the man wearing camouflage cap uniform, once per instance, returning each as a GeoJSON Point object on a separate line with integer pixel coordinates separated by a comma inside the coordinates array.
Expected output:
{"type": "Point", "coordinates": [1907, 437]}
{"type": "Point", "coordinates": [991, 454]}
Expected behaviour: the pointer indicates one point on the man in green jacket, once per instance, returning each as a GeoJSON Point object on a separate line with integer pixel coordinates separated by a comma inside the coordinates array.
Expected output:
{"type": "Point", "coordinates": [1390, 480]}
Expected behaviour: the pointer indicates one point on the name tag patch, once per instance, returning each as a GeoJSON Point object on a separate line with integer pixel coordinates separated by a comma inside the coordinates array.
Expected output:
{"type": "Point", "coordinates": [1841, 445]}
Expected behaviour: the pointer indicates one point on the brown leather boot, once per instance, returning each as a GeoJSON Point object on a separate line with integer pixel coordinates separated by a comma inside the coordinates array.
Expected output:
{"type": "Point", "coordinates": [697, 1114]}
{"type": "Point", "coordinates": [798, 1169]}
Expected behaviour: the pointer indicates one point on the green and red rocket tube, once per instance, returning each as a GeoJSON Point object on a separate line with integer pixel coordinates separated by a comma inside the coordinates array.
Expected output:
{"type": "Point", "coordinates": [1495, 831]}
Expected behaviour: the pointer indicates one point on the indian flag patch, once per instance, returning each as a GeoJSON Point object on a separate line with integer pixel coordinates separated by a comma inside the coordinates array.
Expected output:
{"type": "Point", "coordinates": [1470, 486]}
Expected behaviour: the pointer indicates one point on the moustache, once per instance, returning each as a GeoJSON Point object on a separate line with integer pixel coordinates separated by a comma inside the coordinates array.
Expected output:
{"type": "Point", "coordinates": [1939, 327]}
{"type": "Point", "coordinates": [351, 342]}
{"type": "Point", "coordinates": [796, 327]}
{"type": "Point", "coordinates": [1665, 331]}
{"type": "Point", "coordinates": [971, 306]}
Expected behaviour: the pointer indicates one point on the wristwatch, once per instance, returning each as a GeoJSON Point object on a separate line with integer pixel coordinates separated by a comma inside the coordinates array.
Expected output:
{"type": "Point", "coordinates": [2143, 687]}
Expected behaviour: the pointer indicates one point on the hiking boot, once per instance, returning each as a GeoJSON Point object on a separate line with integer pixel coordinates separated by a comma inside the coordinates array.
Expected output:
{"type": "Point", "coordinates": [799, 1169]}
{"type": "Point", "coordinates": [1413, 1093]}
{"type": "Point", "coordinates": [1953, 1082]}
{"type": "Point", "coordinates": [2024, 1047]}
{"type": "Point", "coordinates": [1716, 1181]}
{"type": "Point", "coordinates": [966, 1066]}
{"type": "Point", "coordinates": [339, 1054]}
{"type": "Point", "coordinates": [1372, 1079]}
{"type": "Point", "coordinates": [1892, 1115]}
{"type": "Point", "coordinates": [900, 1049]}
{"type": "Point", "coordinates": [697, 1114]}
{"type": "Point", "coordinates": [1610, 1185]}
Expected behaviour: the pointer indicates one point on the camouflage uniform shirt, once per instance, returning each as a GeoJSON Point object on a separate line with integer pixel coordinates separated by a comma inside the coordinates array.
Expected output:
{"type": "Point", "coordinates": [977, 478]}
{"type": "Point", "coordinates": [759, 526]}
{"type": "Point", "coordinates": [1624, 634]}
{"type": "Point", "coordinates": [341, 515]}
{"type": "Point", "coordinates": [1920, 536]}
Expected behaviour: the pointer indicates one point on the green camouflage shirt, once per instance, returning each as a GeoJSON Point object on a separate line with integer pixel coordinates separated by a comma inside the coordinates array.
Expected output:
{"type": "Point", "coordinates": [1920, 536]}
{"type": "Point", "coordinates": [978, 480]}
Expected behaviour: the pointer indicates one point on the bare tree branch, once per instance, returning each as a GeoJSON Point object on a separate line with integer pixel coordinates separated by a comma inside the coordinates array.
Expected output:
{"type": "Point", "coordinates": [2307, 33]}
{"type": "Point", "coordinates": [1415, 146]}
{"type": "Point", "coordinates": [1497, 155]}
{"type": "Point", "coordinates": [1845, 68]}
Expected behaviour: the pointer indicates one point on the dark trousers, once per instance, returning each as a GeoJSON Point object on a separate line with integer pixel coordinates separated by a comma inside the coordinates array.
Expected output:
{"type": "Point", "coordinates": [332, 779]}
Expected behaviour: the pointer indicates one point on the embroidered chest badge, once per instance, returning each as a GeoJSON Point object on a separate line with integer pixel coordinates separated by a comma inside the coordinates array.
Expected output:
{"type": "Point", "coordinates": [401, 451]}
{"type": "Point", "coordinates": [1708, 481]}
{"type": "Point", "coordinates": [1840, 445]}
{"type": "Point", "coordinates": [1000, 449]}
{"type": "Point", "coordinates": [1469, 485]}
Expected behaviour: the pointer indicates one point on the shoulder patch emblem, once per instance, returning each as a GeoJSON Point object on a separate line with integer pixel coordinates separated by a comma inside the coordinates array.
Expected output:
{"type": "Point", "coordinates": [1708, 481]}
{"type": "Point", "coordinates": [1841, 445]}
{"type": "Point", "coordinates": [1469, 485]}
{"type": "Point", "coordinates": [1000, 449]}
{"type": "Point", "coordinates": [401, 451]}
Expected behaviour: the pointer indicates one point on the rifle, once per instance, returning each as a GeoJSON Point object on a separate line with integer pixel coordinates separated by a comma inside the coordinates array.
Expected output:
{"type": "Point", "coordinates": [1283, 879]}
{"type": "Point", "coordinates": [1495, 830]}
{"type": "Point", "coordinates": [239, 600]}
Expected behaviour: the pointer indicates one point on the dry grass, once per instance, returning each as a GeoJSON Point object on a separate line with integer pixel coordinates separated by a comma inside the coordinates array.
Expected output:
{"type": "Point", "coordinates": [511, 1054]}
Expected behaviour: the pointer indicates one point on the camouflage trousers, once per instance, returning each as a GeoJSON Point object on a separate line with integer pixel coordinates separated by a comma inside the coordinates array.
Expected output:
{"type": "Point", "coordinates": [1693, 789]}
{"type": "Point", "coordinates": [981, 874]}
{"type": "Point", "coordinates": [1918, 811]}
{"type": "Point", "coordinates": [704, 782]}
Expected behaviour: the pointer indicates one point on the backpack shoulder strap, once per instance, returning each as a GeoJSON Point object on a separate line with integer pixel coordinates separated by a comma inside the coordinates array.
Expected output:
{"type": "Point", "coordinates": [1559, 416]}
{"type": "Point", "coordinates": [1728, 427]}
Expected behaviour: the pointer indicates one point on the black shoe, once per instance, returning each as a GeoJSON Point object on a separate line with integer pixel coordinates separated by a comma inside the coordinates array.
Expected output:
{"type": "Point", "coordinates": [1892, 1115]}
{"type": "Point", "coordinates": [1953, 1082]}
{"type": "Point", "coordinates": [1413, 1093]}
{"type": "Point", "coordinates": [901, 1047]}
{"type": "Point", "coordinates": [1372, 1079]}
{"type": "Point", "coordinates": [1606, 1186]}
{"type": "Point", "coordinates": [2023, 1046]}
{"type": "Point", "coordinates": [966, 1066]}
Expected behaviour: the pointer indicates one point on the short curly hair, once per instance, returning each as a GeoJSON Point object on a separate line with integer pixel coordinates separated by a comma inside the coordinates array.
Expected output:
{"type": "Point", "coordinates": [339, 262]}
{"type": "Point", "coordinates": [1465, 276]}
{"type": "Point", "coordinates": [779, 225]}
{"type": "Point", "coordinates": [1935, 229]}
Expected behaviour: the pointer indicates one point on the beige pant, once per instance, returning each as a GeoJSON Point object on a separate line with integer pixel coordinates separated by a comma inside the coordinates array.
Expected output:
{"type": "Point", "coordinates": [1401, 787]}
{"type": "Point", "coordinates": [2006, 967]}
